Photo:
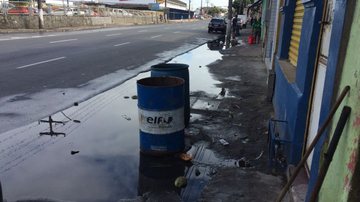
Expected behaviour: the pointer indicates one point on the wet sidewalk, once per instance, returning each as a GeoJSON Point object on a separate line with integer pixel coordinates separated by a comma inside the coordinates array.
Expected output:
{"type": "Point", "coordinates": [96, 155]}
{"type": "Point", "coordinates": [241, 119]}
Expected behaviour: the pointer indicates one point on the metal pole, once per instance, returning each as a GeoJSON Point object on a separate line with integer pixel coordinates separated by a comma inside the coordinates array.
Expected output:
{"type": "Point", "coordinates": [189, 9]}
{"type": "Point", "coordinates": [165, 13]}
{"type": "Point", "coordinates": [201, 8]}
{"type": "Point", "coordinates": [1, 194]}
{"type": "Point", "coordinates": [328, 156]}
{"type": "Point", "coordinates": [313, 143]}
{"type": "Point", "coordinates": [41, 15]}
{"type": "Point", "coordinates": [228, 25]}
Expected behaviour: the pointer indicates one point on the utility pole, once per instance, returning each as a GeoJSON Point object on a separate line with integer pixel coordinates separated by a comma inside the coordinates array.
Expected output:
{"type": "Point", "coordinates": [228, 27]}
{"type": "Point", "coordinates": [189, 9]}
{"type": "Point", "coordinates": [201, 8]}
{"type": "Point", "coordinates": [166, 11]}
{"type": "Point", "coordinates": [41, 15]}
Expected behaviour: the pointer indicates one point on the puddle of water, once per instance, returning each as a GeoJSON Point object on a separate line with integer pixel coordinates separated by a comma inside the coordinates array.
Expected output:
{"type": "Point", "coordinates": [203, 156]}
{"type": "Point", "coordinates": [105, 167]}
{"type": "Point", "coordinates": [98, 158]}
{"type": "Point", "coordinates": [233, 78]}
{"type": "Point", "coordinates": [200, 78]}
{"type": "Point", "coordinates": [206, 104]}
{"type": "Point", "coordinates": [195, 117]}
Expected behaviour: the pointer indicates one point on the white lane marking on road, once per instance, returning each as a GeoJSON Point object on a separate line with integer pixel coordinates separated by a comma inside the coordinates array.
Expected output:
{"type": "Point", "coordinates": [117, 34]}
{"type": "Point", "coordinates": [153, 37]}
{"type": "Point", "coordinates": [143, 30]}
{"type": "Point", "coordinates": [177, 32]}
{"type": "Point", "coordinates": [60, 41]}
{"type": "Point", "coordinates": [26, 37]}
{"type": "Point", "coordinates": [121, 44]}
{"type": "Point", "coordinates": [42, 62]}
{"type": "Point", "coordinates": [18, 37]}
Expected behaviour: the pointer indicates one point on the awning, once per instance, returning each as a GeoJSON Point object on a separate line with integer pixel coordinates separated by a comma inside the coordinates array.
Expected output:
{"type": "Point", "coordinates": [256, 3]}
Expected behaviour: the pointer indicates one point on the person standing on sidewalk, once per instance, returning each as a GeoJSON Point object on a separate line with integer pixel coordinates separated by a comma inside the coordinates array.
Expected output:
{"type": "Point", "coordinates": [234, 26]}
{"type": "Point", "coordinates": [256, 30]}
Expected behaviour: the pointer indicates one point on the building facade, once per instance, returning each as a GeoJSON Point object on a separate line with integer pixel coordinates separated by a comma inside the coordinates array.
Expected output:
{"type": "Point", "coordinates": [312, 50]}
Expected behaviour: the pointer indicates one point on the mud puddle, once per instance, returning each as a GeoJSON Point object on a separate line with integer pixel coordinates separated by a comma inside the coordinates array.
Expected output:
{"type": "Point", "coordinates": [97, 157]}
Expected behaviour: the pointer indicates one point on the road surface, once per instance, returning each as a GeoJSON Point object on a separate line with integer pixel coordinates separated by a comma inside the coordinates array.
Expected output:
{"type": "Point", "coordinates": [44, 73]}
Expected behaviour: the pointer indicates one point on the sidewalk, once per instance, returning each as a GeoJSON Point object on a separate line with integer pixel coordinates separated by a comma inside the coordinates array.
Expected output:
{"type": "Point", "coordinates": [241, 120]}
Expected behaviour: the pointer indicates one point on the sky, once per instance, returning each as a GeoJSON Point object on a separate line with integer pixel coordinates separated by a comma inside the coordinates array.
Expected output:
{"type": "Point", "coordinates": [196, 3]}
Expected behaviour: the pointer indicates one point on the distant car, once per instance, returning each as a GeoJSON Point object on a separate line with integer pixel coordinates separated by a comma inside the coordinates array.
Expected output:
{"type": "Point", "coordinates": [19, 10]}
{"type": "Point", "coordinates": [77, 11]}
{"type": "Point", "coordinates": [217, 24]}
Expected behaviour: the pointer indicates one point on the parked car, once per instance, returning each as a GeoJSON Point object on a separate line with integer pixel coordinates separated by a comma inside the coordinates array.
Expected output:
{"type": "Point", "coordinates": [242, 20]}
{"type": "Point", "coordinates": [217, 24]}
{"type": "Point", "coordinates": [19, 10]}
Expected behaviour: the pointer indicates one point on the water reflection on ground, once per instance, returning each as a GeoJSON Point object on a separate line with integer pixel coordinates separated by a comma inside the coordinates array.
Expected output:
{"type": "Point", "coordinates": [98, 159]}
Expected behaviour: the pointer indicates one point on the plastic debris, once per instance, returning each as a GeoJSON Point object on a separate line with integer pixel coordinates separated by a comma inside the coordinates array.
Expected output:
{"type": "Point", "coordinates": [126, 117]}
{"type": "Point", "coordinates": [245, 140]}
{"type": "Point", "coordinates": [180, 182]}
{"type": "Point", "coordinates": [223, 142]}
{"type": "Point", "coordinates": [212, 172]}
{"type": "Point", "coordinates": [74, 152]}
{"type": "Point", "coordinates": [260, 155]}
{"type": "Point", "coordinates": [197, 172]}
{"type": "Point", "coordinates": [243, 163]}
{"type": "Point", "coordinates": [222, 92]}
{"type": "Point", "coordinates": [185, 157]}
{"type": "Point", "coordinates": [76, 104]}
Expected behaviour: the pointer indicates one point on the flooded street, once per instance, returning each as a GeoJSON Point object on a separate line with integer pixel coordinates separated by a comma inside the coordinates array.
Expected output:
{"type": "Point", "coordinates": [98, 158]}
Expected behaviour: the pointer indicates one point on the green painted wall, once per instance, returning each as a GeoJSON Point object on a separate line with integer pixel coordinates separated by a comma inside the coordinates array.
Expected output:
{"type": "Point", "coordinates": [340, 181]}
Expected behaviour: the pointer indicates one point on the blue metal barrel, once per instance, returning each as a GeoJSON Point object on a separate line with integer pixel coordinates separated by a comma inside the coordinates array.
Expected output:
{"type": "Point", "coordinates": [177, 70]}
{"type": "Point", "coordinates": [161, 114]}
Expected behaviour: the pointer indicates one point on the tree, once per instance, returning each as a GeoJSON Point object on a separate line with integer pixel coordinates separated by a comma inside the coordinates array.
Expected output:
{"type": "Point", "coordinates": [239, 5]}
{"type": "Point", "coordinates": [213, 11]}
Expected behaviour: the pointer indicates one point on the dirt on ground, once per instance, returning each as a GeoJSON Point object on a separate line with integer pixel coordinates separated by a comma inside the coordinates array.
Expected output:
{"type": "Point", "coordinates": [239, 115]}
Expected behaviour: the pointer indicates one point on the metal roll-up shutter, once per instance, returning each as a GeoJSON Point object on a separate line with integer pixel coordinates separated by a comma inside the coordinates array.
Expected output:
{"type": "Point", "coordinates": [296, 32]}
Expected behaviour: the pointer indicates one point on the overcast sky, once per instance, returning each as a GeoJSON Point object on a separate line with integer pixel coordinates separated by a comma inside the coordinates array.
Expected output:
{"type": "Point", "coordinates": [196, 3]}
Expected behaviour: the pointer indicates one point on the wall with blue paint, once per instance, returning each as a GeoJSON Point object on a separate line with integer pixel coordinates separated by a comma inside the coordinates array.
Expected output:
{"type": "Point", "coordinates": [291, 97]}
{"type": "Point", "coordinates": [337, 50]}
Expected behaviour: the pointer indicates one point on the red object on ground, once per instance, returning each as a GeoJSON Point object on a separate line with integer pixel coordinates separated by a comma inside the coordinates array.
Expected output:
{"type": "Point", "coordinates": [251, 39]}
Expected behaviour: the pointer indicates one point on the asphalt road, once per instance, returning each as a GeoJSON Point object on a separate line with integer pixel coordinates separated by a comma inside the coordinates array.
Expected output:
{"type": "Point", "coordinates": [43, 73]}
{"type": "Point", "coordinates": [31, 62]}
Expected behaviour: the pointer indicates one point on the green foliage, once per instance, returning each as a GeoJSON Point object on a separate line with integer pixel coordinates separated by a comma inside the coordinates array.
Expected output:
{"type": "Point", "coordinates": [239, 5]}
{"type": "Point", "coordinates": [213, 11]}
